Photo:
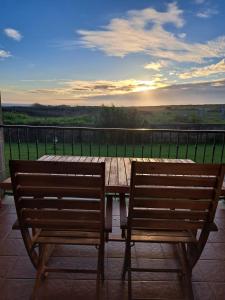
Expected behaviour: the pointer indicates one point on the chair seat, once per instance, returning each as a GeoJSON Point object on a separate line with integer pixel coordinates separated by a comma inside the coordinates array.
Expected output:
{"type": "Point", "coordinates": [72, 237]}
{"type": "Point", "coordinates": [161, 236]}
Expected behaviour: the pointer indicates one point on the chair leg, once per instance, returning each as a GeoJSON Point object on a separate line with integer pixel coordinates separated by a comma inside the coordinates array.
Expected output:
{"type": "Point", "coordinates": [40, 270]}
{"type": "Point", "coordinates": [187, 272]}
{"type": "Point", "coordinates": [194, 251]}
{"type": "Point", "coordinates": [129, 274]}
{"type": "Point", "coordinates": [125, 262]}
{"type": "Point", "coordinates": [100, 272]}
{"type": "Point", "coordinates": [103, 262]}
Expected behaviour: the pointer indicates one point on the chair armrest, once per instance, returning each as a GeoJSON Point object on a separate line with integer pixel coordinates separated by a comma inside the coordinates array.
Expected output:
{"type": "Point", "coordinates": [6, 184]}
{"type": "Point", "coordinates": [108, 219]}
{"type": "Point", "coordinates": [123, 212]}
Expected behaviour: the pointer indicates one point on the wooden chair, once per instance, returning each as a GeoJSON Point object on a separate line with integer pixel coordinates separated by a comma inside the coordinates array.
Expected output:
{"type": "Point", "coordinates": [60, 203]}
{"type": "Point", "coordinates": [172, 203]}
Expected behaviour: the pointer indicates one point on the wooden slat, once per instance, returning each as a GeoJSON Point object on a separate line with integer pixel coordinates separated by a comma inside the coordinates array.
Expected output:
{"type": "Point", "coordinates": [175, 203]}
{"type": "Point", "coordinates": [38, 191]}
{"type": "Point", "coordinates": [166, 224]}
{"type": "Point", "coordinates": [60, 203]}
{"type": "Point", "coordinates": [122, 178]}
{"type": "Point", "coordinates": [181, 233]}
{"type": "Point", "coordinates": [68, 241]}
{"type": "Point", "coordinates": [56, 167]}
{"type": "Point", "coordinates": [163, 239]}
{"type": "Point", "coordinates": [61, 214]}
{"type": "Point", "coordinates": [58, 180]}
{"type": "Point", "coordinates": [127, 162]}
{"type": "Point", "coordinates": [181, 193]}
{"type": "Point", "coordinates": [107, 169]}
{"type": "Point", "coordinates": [177, 168]}
{"type": "Point", "coordinates": [169, 214]}
{"type": "Point", "coordinates": [64, 224]}
{"type": "Point", "coordinates": [113, 178]}
{"type": "Point", "coordinates": [69, 233]}
{"type": "Point", "coordinates": [169, 180]}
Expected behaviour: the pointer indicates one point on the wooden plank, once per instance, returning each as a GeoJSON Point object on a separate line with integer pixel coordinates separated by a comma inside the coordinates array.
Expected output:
{"type": "Point", "coordinates": [113, 176]}
{"type": "Point", "coordinates": [177, 168]}
{"type": "Point", "coordinates": [64, 224]}
{"type": "Point", "coordinates": [108, 161]}
{"type": "Point", "coordinates": [169, 214]}
{"type": "Point", "coordinates": [69, 233]}
{"type": "Point", "coordinates": [68, 241]}
{"type": "Point", "coordinates": [122, 177]}
{"type": "Point", "coordinates": [169, 180]}
{"type": "Point", "coordinates": [127, 162]}
{"type": "Point", "coordinates": [58, 180]}
{"type": "Point", "coordinates": [60, 203]}
{"type": "Point", "coordinates": [166, 224]}
{"type": "Point", "coordinates": [94, 159]}
{"type": "Point", "coordinates": [74, 158]}
{"type": "Point", "coordinates": [54, 214]}
{"type": "Point", "coordinates": [180, 233]}
{"type": "Point", "coordinates": [171, 192]}
{"type": "Point", "coordinates": [125, 171]}
{"type": "Point", "coordinates": [163, 239]}
{"type": "Point", "coordinates": [94, 193]}
{"type": "Point", "coordinates": [57, 167]}
{"type": "Point", "coordinates": [174, 203]}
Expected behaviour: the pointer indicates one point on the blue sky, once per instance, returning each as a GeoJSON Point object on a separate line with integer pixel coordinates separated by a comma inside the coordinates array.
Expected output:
{"type": "Point", "coordinates": [123, 52]}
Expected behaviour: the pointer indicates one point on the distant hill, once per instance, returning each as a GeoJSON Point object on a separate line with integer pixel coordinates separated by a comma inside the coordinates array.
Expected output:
{"type": "Point", "coordinates": [143, 116]}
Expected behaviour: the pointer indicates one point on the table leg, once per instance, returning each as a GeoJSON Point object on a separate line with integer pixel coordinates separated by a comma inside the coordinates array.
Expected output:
{"type": "Point", "coordinates": [123, 213]}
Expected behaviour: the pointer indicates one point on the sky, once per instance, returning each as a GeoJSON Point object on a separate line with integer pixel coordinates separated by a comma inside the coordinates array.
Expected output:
{"type": "Point", "coordinates": [126, 53]}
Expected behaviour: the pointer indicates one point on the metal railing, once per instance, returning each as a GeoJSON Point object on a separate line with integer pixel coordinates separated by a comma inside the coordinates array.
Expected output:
{"type": "Point", "coordinates": [31, 142]}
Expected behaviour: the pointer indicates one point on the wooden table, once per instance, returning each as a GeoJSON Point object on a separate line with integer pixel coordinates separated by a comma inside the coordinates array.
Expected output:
{"type": "Point", "coordinates": [117, 169]}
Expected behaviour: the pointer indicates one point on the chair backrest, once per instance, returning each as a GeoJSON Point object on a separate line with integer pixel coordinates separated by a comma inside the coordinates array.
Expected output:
{"type": "Point", "coordinates": [173, 196]}
{"type": "Point", "coordinates": [59, 195]}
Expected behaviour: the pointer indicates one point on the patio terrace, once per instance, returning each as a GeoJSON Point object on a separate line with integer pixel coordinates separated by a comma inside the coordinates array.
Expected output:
{"type": "Point", "coordinates": [17, 274]}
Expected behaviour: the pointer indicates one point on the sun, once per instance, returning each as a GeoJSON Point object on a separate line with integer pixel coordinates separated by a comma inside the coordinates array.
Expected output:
{"type": "Point", "coordinates": [147, 85]}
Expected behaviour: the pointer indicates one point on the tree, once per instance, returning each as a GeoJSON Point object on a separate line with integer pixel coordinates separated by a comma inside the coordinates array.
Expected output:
{"type": "Point", "coordinates": [110, 117]}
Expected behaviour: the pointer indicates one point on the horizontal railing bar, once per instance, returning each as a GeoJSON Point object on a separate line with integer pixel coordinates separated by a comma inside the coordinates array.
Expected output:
{"type": "Point", "coordinates": [114, 129]}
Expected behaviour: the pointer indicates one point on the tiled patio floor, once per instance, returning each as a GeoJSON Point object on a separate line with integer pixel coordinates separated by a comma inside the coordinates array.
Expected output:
{"type": "Point", "coordinates": [17, 274]}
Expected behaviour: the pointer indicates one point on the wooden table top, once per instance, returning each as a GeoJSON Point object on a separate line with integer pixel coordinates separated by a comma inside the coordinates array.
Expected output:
{"type": "Point", "coordinates": [117, 169]}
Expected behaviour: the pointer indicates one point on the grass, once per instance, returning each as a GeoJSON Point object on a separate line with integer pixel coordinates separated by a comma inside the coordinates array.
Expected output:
{"type": "Point", "coordinates": [33, 151]}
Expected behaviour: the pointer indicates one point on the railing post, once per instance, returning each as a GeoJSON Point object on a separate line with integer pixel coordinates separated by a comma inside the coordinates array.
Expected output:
{"type": "Point", "coordinates": [2, 156]}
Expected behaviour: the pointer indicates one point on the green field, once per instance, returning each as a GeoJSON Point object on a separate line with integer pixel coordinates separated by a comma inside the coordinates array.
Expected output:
{"type": "Point", "coordinates": [213, 153]}
{"type": "Point", "coordinates": [111, 116]}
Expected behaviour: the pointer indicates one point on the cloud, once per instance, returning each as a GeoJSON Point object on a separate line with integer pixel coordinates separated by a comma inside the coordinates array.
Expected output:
{"type": "Point", "coordinates": [205, 71]}
{"type": "Point", "coordinates": [86, 89]}
{"type": "Point", "coordinates": [207, 13]}
{"type": "Point", "coordinates": [143, 31]}
{"type": "Point", "coordinates": [4, 54]}
{"type": "Point", "coordinates": [182, 35]}
{"type": "Point", "coordinates": [13, 33]}
{"type": "Point", "coordinates": [156, 66]}
{"type": "Point", "coordinates": [201, 92]}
